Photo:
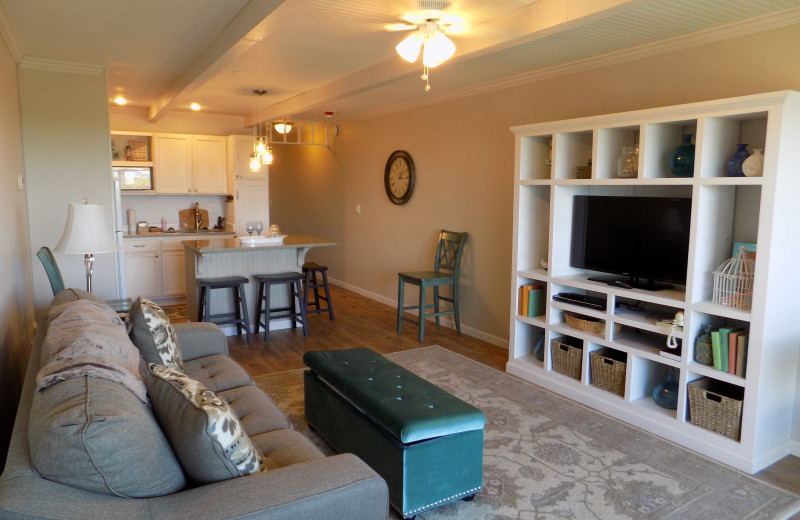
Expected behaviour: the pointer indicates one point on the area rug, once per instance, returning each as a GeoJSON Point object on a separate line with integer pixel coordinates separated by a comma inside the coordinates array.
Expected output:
{"type": "Point", "coordinates": [546, 457]}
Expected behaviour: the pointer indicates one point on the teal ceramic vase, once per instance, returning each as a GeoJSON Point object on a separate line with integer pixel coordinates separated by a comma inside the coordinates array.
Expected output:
{"type": "Point", "coordinates": [734, 166]}
{"type": "Point", "coordinates": [666, 394]}
{"type": "Point", "coordinates": [681, 160]}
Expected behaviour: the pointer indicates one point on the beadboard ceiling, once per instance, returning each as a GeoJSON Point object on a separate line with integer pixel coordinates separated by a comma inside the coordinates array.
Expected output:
{"type": "Point", "coordinates": [314, 56]}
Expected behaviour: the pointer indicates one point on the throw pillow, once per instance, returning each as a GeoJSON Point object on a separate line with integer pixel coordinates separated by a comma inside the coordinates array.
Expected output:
{"type": "Point", "coordinates": [204, 431]}
{"type": "Point", "coordinates": [152, 333]}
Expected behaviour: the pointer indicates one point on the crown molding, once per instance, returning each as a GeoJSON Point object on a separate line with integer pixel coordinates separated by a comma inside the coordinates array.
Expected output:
{"type": "Point", "coordinates": [735, 30]}
{"type": "Point", "coordinates": [60, 66]}
{"type": "Point", "coordinates": [8, 35]}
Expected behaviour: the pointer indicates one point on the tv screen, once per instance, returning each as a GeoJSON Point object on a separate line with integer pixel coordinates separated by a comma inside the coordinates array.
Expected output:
{"type": "Point", "coordinates": [645, 239]}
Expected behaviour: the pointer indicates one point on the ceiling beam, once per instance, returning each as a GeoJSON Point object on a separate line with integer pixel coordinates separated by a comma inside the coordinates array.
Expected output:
{"type": "Point", "coordinates": [251, 25]}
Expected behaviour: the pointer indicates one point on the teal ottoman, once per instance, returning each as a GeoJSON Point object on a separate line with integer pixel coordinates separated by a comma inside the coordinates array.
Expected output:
{"type": "Point", "coordinates": [426, 443]}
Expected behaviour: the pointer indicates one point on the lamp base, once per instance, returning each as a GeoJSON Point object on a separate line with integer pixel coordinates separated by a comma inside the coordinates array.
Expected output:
{"type": "Point", "coordinates": [88, 261]}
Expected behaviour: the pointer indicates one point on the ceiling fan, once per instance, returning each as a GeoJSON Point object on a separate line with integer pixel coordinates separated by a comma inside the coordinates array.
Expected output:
{"type": "Point", "coordinates": [431, 24]}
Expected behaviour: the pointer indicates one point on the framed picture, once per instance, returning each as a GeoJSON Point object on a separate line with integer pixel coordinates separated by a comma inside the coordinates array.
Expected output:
{"type": "Point", "coordinates": [138, 149]}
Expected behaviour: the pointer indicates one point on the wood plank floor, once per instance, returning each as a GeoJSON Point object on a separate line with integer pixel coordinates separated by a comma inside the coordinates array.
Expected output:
{"type": "Point", "coordinates": [362, 322]}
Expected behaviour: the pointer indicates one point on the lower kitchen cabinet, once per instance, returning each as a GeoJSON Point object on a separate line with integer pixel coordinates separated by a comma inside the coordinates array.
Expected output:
{"type": "Point", "coordinates": [154, 269]}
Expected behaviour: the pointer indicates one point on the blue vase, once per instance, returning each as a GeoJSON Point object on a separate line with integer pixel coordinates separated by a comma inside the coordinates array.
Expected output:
{"type": "Point", "coordinates": [734, 166]}
{"type": "Point", "coordinates": [666, 394]}
{"type": "Point", "coordinates": [681, 160]}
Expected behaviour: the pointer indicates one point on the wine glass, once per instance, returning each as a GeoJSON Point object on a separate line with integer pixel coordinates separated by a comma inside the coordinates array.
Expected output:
{"type": "Point", "coordinates": [259, 227]}
{"type": "Point", "coordinates": [250, 227]}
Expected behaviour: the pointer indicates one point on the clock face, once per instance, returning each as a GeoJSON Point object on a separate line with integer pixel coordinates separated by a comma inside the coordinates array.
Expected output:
{"type": "Point", "coordinates": [398, 177]}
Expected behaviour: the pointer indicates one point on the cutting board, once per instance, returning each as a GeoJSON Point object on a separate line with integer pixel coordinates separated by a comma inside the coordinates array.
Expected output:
{"type": "Point", "coordinates": [186, 219]}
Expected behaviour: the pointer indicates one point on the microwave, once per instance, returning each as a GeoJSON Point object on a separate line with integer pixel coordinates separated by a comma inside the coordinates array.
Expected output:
{"type": "Point", "coordinates": [134, 178]}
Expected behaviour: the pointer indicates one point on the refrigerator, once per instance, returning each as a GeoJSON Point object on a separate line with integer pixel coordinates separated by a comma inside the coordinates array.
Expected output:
{"type": "Point", "coordinates": [120, 226]}
{"type": "Point", "coordinates": [250, 203]}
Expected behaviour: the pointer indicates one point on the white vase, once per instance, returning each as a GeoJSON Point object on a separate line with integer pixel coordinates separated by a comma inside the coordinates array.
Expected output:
{"type": "Point", "coordinates": [753, 166]}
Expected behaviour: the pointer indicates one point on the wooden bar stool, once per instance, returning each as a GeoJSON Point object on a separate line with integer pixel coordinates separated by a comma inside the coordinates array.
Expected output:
{"type": "Point", "coordinates": [310, 270]}
{"type": "Point", "coordinates": [239, 316]}
{"type": "Point", "coordinates": [291, 311]}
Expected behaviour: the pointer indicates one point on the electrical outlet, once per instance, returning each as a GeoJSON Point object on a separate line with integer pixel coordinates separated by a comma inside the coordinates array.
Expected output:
{"type": "Point", "coordinates": [358, 208]}
{"type": "Point", "coordinates": [20, 182]}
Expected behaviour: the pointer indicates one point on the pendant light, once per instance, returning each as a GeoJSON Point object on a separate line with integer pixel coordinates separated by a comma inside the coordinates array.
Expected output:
{"type": "Point", "coordinates": [262, 153]}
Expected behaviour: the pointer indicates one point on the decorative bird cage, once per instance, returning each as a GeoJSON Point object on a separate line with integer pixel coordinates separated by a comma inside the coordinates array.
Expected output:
{"type": "Point", "coordinates": [733, 282]}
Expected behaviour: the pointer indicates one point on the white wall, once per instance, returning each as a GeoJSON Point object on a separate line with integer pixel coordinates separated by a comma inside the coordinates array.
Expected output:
{"type": "Point", "coordinates": [67, 147]}
{"type": "Point", "coordinates": [16, 290]}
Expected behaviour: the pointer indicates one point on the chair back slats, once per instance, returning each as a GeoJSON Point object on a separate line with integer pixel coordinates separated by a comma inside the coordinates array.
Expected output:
{"type": "Point", "coordinates": [448, 251]}
{"type": "Point", "coordinates": [51, 268]}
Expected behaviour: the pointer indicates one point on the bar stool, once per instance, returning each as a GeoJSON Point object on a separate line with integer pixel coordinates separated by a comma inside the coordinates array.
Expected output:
{"type": "Point", "coordinates": [310, 270]}
{"type": "Point", "coordinates": [239, 316]}
{"type": "Point", "coordinates": [265, 283]}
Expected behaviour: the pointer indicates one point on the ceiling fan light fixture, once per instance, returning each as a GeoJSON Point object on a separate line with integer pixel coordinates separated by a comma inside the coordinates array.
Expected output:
{"type": "Point", "coordinates": [438, 48]}
{"type": "Point", "coordinates": [409, 48]}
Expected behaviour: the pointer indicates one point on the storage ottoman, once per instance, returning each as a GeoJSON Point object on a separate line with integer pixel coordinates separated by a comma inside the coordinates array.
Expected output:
{"type": "Point", "coordinates": [426, 443]}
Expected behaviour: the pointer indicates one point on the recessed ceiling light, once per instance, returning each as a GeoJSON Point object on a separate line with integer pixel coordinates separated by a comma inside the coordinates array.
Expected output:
{"type": "Point", "coordinates": [195, 106]}
{"type": "Point", "coordinates": [120, 100]}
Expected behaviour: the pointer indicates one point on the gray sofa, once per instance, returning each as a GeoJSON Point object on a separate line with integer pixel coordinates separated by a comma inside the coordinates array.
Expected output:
{"type": "Point", "coordinates": [299, 481]}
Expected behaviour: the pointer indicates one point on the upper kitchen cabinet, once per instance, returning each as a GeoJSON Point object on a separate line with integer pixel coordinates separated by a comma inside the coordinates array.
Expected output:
{"type": "Point", "coordinates": [193, 164]}
{"type": "Point", "coordinates": [131, 149]}
{"type": "Point", "coordinates": [239, 149]}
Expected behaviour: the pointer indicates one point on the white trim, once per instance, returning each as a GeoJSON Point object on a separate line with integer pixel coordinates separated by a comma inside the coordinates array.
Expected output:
{"type": "Point", "coordinates": [60, 66]}
{"type": "Point", "coordinates": [475, 333]}
{"type": "Point", "coordinates": [734, 30]}
{"type": "Point", "coordinates": [8, 35]}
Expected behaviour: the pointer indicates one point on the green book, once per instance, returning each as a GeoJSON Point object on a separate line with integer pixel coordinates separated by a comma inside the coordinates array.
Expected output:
{"type": "Point", "coordinates": [715, 350]}
{"type": "Point", "coordinates": [723, 348]}
{"type": "Point", "coordinates": [536, 301]}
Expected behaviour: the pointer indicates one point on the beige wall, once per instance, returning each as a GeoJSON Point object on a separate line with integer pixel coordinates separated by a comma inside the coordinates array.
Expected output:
{"type": "Point", "coordinates": [464, 152]}
{"type": "Point", "coordinates": [16, 293]}
{"type": "Point", "coordinates": [68, 158]}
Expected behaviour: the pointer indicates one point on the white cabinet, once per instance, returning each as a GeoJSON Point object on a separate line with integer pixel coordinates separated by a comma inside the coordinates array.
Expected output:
{"type": "Point", "coordinates": [250, 202]}
{"type": "Point", "coordinates": [239, 149]}
{"type": "Point", "coordinates": [193, 164]}
{"type": "Point", "coordinates": [154, 268]}
{"type": "Point", "coordinates": [725, 210]}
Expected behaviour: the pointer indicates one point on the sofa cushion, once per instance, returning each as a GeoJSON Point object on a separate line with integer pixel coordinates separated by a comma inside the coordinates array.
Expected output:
{"type": "Point", "coordinates": [217, 372]}
{"type": "Point", "coordinates": [152, 333]}
{"type": "Point", "coordinates": [95, 435]}
{"type": "Point", "coordinates": [256, 411]}
{"type": "Point", "coordinates": [283, 448]}
{"type": "Point", "coordinates": [205, 433]}
{"type": "Point", "coordinates": [68, 295]}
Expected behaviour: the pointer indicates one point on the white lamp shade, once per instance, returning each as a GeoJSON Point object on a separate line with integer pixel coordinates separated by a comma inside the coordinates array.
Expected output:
{"type": "Point", "coordinates": [86, 231]}
{"type": "Point", "coordinates": [409, 48]}
{"type": "Point", "coordinates": [438, 48]}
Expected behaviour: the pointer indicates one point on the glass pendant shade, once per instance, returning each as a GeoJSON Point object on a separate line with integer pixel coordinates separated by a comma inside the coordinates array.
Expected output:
{"type": "Point", "coordinates": [438, 48]}
{"type": "Point", "coordinates": [266, 157]}
{"type": "Point", "coordinates": [409, 48]}
{"type": "Point", "coordinates": [255, 162]}
{"type": "Point", "coordinates": [261, 148]}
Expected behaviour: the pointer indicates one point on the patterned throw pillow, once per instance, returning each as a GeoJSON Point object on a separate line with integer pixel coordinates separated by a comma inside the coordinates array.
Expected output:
{"type": "Point", "coordinates": [151, 332]}
{"type": "Point", "coordinates": [204, 431]}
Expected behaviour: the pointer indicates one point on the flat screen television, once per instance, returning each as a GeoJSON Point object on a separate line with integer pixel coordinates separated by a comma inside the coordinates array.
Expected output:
{"type": "Point", "coordinates": [642, 240]}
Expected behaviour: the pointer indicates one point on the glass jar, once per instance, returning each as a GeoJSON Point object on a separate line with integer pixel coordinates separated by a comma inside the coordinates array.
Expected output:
{"type": "Point", "coordinates": [628, 163]}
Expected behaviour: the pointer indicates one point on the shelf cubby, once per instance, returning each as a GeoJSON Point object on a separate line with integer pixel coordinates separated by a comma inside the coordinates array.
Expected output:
{"type": "Point", "coordinates": [720, 135]}
{"type": "Point", "coordinates": [528, 337]}
{"type": "Point", "coordinates": [534, 157]}
{"type": "Point", "coordinates": [657, 143]}
{"type": "Point", "coordinates": [534, 223]}
{"type": "Point", "coordinates": [610, 142]}
{"type": "Point", "coordinates": [571, 150]}
{"type": "Point", "coordinates": [646, 376]}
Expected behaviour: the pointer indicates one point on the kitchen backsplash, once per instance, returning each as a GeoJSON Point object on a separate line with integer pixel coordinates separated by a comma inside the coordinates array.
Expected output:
{"type": "Point", "coordinates": [152, 209]}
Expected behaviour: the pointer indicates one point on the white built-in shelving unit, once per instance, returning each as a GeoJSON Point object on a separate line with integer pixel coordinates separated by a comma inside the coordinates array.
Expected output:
{"type": "Point", "coordinates": [763, 210]}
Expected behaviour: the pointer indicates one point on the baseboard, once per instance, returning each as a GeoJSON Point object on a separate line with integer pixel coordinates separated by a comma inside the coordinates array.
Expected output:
{"type": "Point", "coordinates": [446, 322]}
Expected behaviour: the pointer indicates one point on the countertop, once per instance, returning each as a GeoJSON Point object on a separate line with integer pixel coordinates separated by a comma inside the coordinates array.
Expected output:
{"type": "Point", "coordinates": [219, 245]}
{"type": "Point", "coordinates": [179, 234]}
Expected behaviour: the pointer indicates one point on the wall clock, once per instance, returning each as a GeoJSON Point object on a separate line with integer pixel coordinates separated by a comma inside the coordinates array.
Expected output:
{"type": "Point", "coordinates": [399, 176]}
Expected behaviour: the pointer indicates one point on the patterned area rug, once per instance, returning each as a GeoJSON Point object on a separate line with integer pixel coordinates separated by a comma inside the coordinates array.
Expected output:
{"type": "Point", "coordinates": [549, 458]}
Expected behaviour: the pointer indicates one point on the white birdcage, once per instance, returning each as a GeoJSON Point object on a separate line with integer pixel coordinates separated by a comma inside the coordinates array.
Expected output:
{"type": "Point", "coordinates": [733, 282]}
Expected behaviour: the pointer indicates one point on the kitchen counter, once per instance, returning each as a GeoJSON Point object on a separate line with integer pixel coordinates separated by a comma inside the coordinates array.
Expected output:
{"type": "Point", "coordinates": [220, 256]}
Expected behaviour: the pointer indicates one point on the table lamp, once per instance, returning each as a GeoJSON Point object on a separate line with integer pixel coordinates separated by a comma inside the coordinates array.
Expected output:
{"type": "Point", "coordinates": [86, 233]}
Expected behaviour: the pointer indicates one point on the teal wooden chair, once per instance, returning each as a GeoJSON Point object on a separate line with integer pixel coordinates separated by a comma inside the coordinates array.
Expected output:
{"type": "Point", "coordinates": [51, 268]}
{"type": "Point", "coordinates": [445, 272]}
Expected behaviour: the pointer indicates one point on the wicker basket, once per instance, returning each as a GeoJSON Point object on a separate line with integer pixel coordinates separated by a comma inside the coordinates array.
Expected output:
{"type": "Point", "coordinates": [607, 368]}
{"type": "Point", "coordinates": [587, 324]}
{"type": "Point", "coordinates": [583, 172]}
{"type": "Point", "coordinates": [716, 406]}
{"type": "Point", "coordinates": [566, 354]}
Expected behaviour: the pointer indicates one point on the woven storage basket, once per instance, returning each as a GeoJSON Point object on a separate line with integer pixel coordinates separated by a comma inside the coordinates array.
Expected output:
{"type": "Point", "coordinates": [587, 324]}
{"type": "Point", "coordinates": [716, 407]}
{"type": "Point", "coordinates": [566, 355]}
{"type": "Point", "coordinates": [583, 172]}
{"type": "Point", "coordinates": [607, 368]}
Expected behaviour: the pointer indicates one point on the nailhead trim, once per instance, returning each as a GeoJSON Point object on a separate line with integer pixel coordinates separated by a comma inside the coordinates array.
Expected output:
{"type": "Point", "coordinates": [443, 501]}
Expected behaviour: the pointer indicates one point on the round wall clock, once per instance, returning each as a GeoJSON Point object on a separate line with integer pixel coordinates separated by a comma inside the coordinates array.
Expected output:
{"type": "Point", "coordinates": [399, 176]}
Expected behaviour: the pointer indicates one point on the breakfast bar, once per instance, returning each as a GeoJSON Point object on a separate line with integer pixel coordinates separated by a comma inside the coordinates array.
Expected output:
{"type": "Point", "coordinates": [220, 257]}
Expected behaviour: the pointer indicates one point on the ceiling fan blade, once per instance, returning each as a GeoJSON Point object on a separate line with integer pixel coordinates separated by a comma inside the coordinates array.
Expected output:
{"type": "Point", "coordinates": [399, 27]}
